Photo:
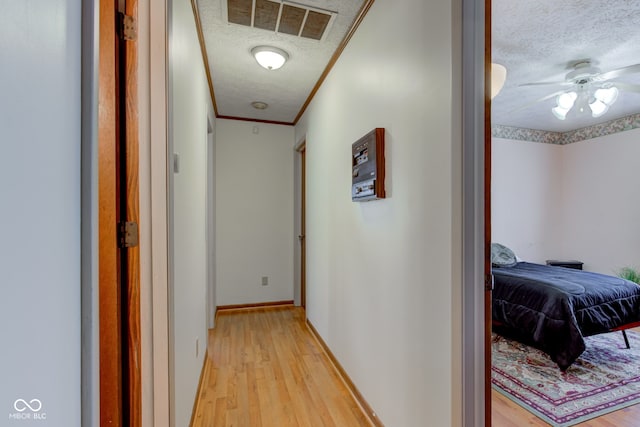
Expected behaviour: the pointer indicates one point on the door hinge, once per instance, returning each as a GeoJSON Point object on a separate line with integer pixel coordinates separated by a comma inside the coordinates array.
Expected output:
{"type": "Point", "coordinates": [128, 27]}
{"type": "Point", "coordinates": [127, 234]}
{"type": "Point", "coordinates": [488, 282]}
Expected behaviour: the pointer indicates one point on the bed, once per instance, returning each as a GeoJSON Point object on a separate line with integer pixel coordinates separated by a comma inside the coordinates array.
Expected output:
{"type": "Point", "coordinates": [554, 308]}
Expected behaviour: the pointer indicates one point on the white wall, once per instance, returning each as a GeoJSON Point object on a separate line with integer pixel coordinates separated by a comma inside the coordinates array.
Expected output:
{"type": "Point", "coordinates": [40, 124]}
{"type": "Point", "coordinates": [379, 274]}
{"type": "Point", "coordinates": [601, 200]}
{"type": "Point", "coordinates": [577, 201]}
{"type": "Point", "coordinates": [526, 198]}
{"type": "Point", "coordinates": [254, 212]}
{"type": "Point", "coordinates": [189, 107]}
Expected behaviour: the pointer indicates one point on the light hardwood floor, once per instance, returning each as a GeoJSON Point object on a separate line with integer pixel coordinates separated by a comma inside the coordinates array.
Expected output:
{"type": "Point", "coordinates": [505, 413]}
{"type": "Point", "coordinates": [265, 369]}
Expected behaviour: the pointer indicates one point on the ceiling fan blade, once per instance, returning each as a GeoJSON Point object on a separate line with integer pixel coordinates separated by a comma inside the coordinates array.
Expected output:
{"type": "Point", "coordinates": [544, 98]}
{"type": "Point", "coordinates": [627, 87]}
{"type": "Point", "coordinates": [631, 69]}
{"type": "Point", "coordinates": [558, 83]}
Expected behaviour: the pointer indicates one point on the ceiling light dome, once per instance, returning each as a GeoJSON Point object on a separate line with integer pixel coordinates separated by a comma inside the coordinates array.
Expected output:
{"type": "Point", "coordinates": [270, 57]}
{"type": "Point", "coordinates": [259, 105]}
{"type": "Point", "coordinates": [498, 77]}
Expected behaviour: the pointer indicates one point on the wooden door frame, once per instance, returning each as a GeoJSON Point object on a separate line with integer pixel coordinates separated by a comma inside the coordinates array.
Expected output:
{"type": "Point", "coordinates": [300, 221]}
{"type": "Point", "coordinates": [109, 295]}
{"type": "Point", "coordinates": [488, 278]}
{"type": "Point", "coordinates": [303, 225]}
{"type": "Point", "coordinates": [299, 198]}
{"type": "Point", "coordinates": [118, 201]}
{"type": "Point", "coordinates": [131, 184]}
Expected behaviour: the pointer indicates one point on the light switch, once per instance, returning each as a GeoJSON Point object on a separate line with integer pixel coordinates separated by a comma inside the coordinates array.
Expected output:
{"type": "Point", "coordinates": [176, 163]}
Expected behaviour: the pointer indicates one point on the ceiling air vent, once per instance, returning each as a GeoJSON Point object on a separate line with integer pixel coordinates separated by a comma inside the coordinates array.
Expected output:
{"type": "Point", "coordinates": [282, 17]}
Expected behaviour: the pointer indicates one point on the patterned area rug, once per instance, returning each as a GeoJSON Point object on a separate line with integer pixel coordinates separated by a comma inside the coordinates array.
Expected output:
{"type": "Point", "coordinates": [605, 378]}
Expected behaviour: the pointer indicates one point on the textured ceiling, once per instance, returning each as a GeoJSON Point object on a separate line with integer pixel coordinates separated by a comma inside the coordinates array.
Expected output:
{"type": "Point", "coordinates": [538, 40]}
{"type": "Point", "coordinates": [237, 78]}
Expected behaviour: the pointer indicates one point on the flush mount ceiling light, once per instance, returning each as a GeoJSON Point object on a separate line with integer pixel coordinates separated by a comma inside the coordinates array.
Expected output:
{"type": "Point", "coordinates": [270, 57]}
{"type": "Point", "coordinates": [259, 105]}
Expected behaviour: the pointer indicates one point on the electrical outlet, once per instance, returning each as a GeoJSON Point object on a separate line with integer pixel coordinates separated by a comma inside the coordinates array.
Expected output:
{"type": "Point", "coordinates": [265, 280]}
{"type": "Point", "coordinates": [197, 346]}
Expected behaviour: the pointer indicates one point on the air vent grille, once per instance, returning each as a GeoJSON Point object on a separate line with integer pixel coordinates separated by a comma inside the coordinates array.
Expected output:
{"type": "Point", "coordinates": [282, 17]}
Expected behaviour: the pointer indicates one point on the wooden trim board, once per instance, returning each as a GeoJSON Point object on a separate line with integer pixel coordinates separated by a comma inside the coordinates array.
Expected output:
{"type": "Point", "coordinates": [131, 191]}
{"type": "Point", "coordinates": [118, 200]}
{"type": "Point", "coordinates": [245, 119]}
{"type": "Point", "coordinates": [336, 55]}
{"type": "Point", "coordinates": [487, 211]}
{"type": "Point", "coordinates": [109, 292]}
{"type": "Point", "coordinates": [205, 55]}
{"type": "Point", "coordinates": [366, 408]}
{"type": "Point", "coordinates": [252, 306]}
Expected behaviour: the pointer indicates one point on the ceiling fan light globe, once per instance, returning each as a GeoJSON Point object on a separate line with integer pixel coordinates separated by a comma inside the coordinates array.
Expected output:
{"type": "Point", "coordinates": [566, 100]}
{"type": "Point", "coordinates": [607, 96]}
{"type": "Point", "coordinates": [560, 113]}
{"type": "Point", "coordinates": [598, 108]}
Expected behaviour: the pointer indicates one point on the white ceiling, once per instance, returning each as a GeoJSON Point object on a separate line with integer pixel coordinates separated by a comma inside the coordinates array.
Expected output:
{"type": "Point", "coordinates": [537, 41]}
{"type": "Point", "coordinates": [237, 78]}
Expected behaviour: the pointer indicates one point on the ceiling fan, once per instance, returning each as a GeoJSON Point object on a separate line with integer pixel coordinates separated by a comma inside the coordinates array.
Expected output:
{"type": "Point", "coordinates": [589, 89]}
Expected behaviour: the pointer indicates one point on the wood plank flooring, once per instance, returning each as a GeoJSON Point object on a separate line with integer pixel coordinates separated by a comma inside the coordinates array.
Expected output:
{"type": "Point", "coordinates": [265, 369]}
{"type": "Point", "coordinates": [505, 413]}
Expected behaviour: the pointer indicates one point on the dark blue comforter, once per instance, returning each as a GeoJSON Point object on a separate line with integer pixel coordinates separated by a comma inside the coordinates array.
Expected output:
{"type": "Point", "coordinates": [553, 308]}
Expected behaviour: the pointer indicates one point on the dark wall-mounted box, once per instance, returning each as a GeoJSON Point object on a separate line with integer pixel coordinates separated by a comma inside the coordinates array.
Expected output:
{"type": "Point", "coordinates": [367, 161]}
{"type": "Point", "coordinates": [577, 265]}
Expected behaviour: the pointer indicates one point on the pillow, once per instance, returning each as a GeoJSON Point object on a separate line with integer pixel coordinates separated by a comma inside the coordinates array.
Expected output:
{"type": "Point", "coordinates": [502, 256]}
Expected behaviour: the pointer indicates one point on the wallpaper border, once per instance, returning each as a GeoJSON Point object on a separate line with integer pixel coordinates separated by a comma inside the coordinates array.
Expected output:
{"type": "Point", "coordinates": [562, 138]}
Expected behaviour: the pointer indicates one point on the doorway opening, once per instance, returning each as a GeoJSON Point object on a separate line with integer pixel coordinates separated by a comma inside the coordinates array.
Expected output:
{"type": "Point", "coordinates": [300, 252]}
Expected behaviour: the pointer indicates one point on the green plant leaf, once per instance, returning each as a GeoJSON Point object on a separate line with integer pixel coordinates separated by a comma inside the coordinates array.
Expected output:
{"type": "Point", "coordinates": [630, 273]}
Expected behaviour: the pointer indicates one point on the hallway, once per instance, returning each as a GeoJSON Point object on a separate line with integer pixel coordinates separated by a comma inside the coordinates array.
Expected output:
{"type": "Point", "coordinates": [264, 368]}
